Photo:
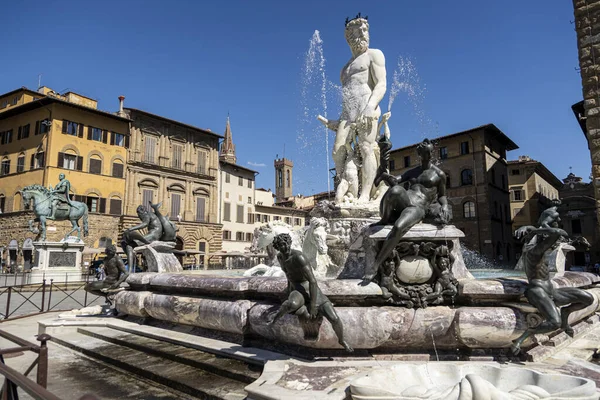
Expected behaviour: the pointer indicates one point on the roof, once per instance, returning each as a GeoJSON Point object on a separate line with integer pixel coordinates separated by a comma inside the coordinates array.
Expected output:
{"type": "Point", "coordinates": [47, 100]}
{"type": "Point", "coordinates": [174, 122]}
{"type": "Point", "coordinates": [541, 170]}
{"type": "Point", "coordinates": [510, 145]}
{"type": "Point", "coordinates": [282, 208]}
{"type": "Point", "coordinates": [22, 89]}
{"type": "Point", "coordinates": [238, 166]}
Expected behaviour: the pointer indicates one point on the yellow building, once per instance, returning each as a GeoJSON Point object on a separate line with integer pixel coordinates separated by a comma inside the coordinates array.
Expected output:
{"type": "Point", "coordinates": [43, 134]}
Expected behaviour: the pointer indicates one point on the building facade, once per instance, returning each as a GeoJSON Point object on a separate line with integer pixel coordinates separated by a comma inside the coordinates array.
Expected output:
{"type": "Point", "coordinates": [176, 164]}
{"type": "Point", "coordinates": [477, 186]}
{"type": "Point", "coordinates": [267, 211]}
{"type": "Point", "coordinates": [578, 217]}
{"type": "Point", "coordinates": [532, 188]}
{"type": "Point", "coordinates": [44, 134]}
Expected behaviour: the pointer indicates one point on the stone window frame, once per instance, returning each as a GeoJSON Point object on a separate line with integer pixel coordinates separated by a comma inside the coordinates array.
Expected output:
{"type": "Point", "coordinates": [469, 209]}
{"type": "Point", "coordinates": [463, 178]}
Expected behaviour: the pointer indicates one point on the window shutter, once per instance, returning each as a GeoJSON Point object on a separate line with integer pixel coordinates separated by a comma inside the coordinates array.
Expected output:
{"type": "Point", "coordinates": [64, 128]}
{"type": "Point", "coordinates": [32, 163]}
{"type": "Point", "coordinates": [41, 160]}
{"type": "Point", "coordinates": [115, 207]}
{"type": "Point", "coordinates": [104, 136]}
{"type": "Point", "coordinates": [127, 141]}
{"type": "Point", "coordinates": [89, 135]}
{"type": "Point", "coordinates": [200, 202]}
{"type": "Point", "coordinates": [102, 208]}
{"type": "Point", "coordinates": [61, 160]}
{"type": "Point", "coordinates": [80, 134]}
{"type": "Point", "coordinates": [79, 163]}
{"type": "Point", "coordinates": [19, 133]}
{"type": "Point", "coordinates": [37, 127]}
{"type": "Point", "coordinates": [112, 138]}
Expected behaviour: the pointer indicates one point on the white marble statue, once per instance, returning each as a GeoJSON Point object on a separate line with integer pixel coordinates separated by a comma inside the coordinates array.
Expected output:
{"type": "Point", "coordinates": [315, 247]}
{"type": "Point", "coordinates": [263, 240]}
{"type": "Point", "coordinates": [363, 87]}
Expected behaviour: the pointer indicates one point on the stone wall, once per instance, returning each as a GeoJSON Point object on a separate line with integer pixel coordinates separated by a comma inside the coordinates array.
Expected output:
{"type": "Point", "coordinates": [587, 26]}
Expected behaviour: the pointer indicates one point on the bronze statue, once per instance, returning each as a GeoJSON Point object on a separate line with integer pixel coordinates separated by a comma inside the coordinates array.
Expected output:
{"type": "Point", "coordinates": [404, 208]}
{"type": "Point", "coordinates": [305, 299]}
{"type": "Point", "coordinates": [158, 227]}
{"type": "Point", "coordinates": [60, 194]}
{"type": "Point", "coordinates": [115, 274]}
{"type": "Point", "coordinates": [47, 206]}
{"type": "Point", "coordinates": [540, 292]}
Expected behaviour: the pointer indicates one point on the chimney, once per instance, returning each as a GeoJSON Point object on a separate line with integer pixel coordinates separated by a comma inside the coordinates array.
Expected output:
{"type": "Point", "coordinates": [121, 99]}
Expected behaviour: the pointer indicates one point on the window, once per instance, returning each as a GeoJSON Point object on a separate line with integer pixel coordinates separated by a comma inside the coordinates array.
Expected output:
{"type": "Point", "coordinates": [249, 200]}
{"type": "Point", "coordinates": [517, 194]}
{"type": "Point", "coordinates": [466, 177]}
{"type": "Point", "coordinates": [15, 100]}
{"type": "Point", "coordinates": [249, 183]}
{"type": "Point", "coordinates": [37, 160]}
{"type": "Point", "coordinates": [95, 166]}
{"type": "Point", "coordinates": [42, 126]}
{"type": "Point", "coordinates": [21, 163]}
{"type": "Point", "coordinates": [5, 167]}
{"type": "Point", "coordinates": [6, 137]}
{"type": "Point", "coordinates": [515, 172]}
{"type": "Point", "coordinates": [288, 220]}
{"type": "Point", "coordinates": [201, 169]}
{"type": "Point", "coordinates": [239, 236]}
{"type": "Point", "coordinates": [117, 170]}
{"type": "Point", "coordinates": [288, 180]}
{"type": "Point", "coordinates": [23, 132]}
{"type": "Point", "coordinates": [392, 165]}
{"type": "Point", "coordinates": [227, 177]}
{"type": "Point", "coordinates": [406, 161]}
{"type": "Point", "coordinates": [149, 146]}
{"type": "Point", "coordinates": [202, 249]}
{"type": "Point", "coordinates": [266, 218]}
{"type": "Point", "coordinates": [114, 206]}
{"type": "Point", "coordinates": [443, 153]}
{"type": "Point", "coordinates": [576, 226]}
{"type": "Point", "coordinates": [250, 217]}
{"type": "Point", "coordinates": [92, 203]}
{"type": "Point", "coordinates": [240, 214]}
{"type": "Point", "coordinates": [227, 212]}
{"type": "Point", "coordinates": [257, 217]}
{"type": "Point", "coordinates": [95, 134]}
{"type": "Point", "coordinates": [71, 128]}
{"type": "Point", "coordinates": [69, 161]}
{"type": "Point", "coordinates": [469, 209]}
{"type": "Point", "coordinates": [2, 203]}
{"type": "Point", "coordinates": [177, 156]}
{"type": "Point", "coordinates": [280, 178]}
{"type": "Point", "coordinates": [276, 218]}
{"type": "Point", "coordinates": [248, 237]}
{"type": "Point", "coordinates": [118, 139]}
{"type": "Point", "coordinates": [241, 181]}
{"type": "Point", "coordinates": [464, 148]}
{"type": "Point", "coordinates": [175, 205]}
{"type": "Point", "coordinates": [226, 235]}
{"type": "Point", "coordinates": [147, 198]}
{"type": "Point", "coordinates": [200, 209]}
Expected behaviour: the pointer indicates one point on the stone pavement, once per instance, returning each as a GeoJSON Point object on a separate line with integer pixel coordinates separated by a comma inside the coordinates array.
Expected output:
{"type": "Point", "coordinates": [71, 375]}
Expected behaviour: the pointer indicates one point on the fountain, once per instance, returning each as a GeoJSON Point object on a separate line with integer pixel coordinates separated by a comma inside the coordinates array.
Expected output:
{"type": "Point", "coordinates": [394, 270]}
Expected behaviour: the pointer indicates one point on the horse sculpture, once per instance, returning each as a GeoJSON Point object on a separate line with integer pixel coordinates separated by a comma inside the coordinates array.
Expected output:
{"type": "Point", "coordinates": [41, 207]}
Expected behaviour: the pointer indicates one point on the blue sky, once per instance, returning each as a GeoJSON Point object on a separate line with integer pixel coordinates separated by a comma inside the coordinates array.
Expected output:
{"type": "Point", "coordinates": [510, 63]}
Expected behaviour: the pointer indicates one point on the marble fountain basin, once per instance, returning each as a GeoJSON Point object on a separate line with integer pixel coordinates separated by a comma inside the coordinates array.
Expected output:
{"type": "Point", "coordinates": [445, 381]}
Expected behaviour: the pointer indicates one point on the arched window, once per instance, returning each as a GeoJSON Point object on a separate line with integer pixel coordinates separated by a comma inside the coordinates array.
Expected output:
{"type": "Point", "coordinates": [5, 166]}
{"type": "Point", "coordinates": [2, 204]}
{"type": "Point", "coordinates": [93, 202]}
{"type": "Point", "coordinates": [466, 177]}
{"type": "Point", "coordinates": [280, 178]}
{"type": "Point", "coordinates": [469, 209]}
{"type": "Point", "coordinates": [21, 163]}
{"type": "Point", "coordinates": [95, 165]}
{"type": "Point", "coordinates": [287, 173]}
{"type": "Point", "coordinates": [17, 202]}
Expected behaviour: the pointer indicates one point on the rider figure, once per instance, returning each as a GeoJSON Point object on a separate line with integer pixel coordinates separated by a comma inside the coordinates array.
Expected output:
{"type": "Point", "coordinates": [60, 194]}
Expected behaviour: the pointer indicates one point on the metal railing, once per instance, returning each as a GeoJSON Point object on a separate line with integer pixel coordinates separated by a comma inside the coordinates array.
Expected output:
{"type": "Point", "coordinates": [19, 301]}
{"type": "Point", "coordinates": [14, 379]}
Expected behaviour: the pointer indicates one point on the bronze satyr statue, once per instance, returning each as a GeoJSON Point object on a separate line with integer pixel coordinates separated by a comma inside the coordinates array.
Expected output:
{"type": "Point", "coordinates": [403, 208]}
{"type": "Point", "coordinates": [540, 292]}
{"type": "Point", "coordinates": [158, 226]}
{"type": "Point", "coordinates": [115, 275]}
{"type": "Point", "coordinates": [305, 299]}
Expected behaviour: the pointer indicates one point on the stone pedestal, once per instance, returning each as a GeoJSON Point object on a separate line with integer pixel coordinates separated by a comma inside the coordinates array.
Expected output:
{"type": "Point", "coordinates": [60, 261]}
{"type": "Point", "coordinates": [159, 257]}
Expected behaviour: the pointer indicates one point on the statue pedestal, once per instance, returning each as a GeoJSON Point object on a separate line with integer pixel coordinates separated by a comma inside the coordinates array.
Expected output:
{"type": "Point", "coordinates": [159, 257]}
{"type": "Point", "coordinates": [60, 261]}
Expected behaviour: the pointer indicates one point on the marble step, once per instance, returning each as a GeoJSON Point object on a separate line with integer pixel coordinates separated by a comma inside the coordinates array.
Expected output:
{"type": "Point", "coordinates": [218, 365]}
{"type": "Point", "coordinates": [194, 382]}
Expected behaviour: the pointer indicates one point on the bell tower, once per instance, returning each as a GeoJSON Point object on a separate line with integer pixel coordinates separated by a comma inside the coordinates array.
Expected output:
{"type": "Point", "coordinates": [283, 179]}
